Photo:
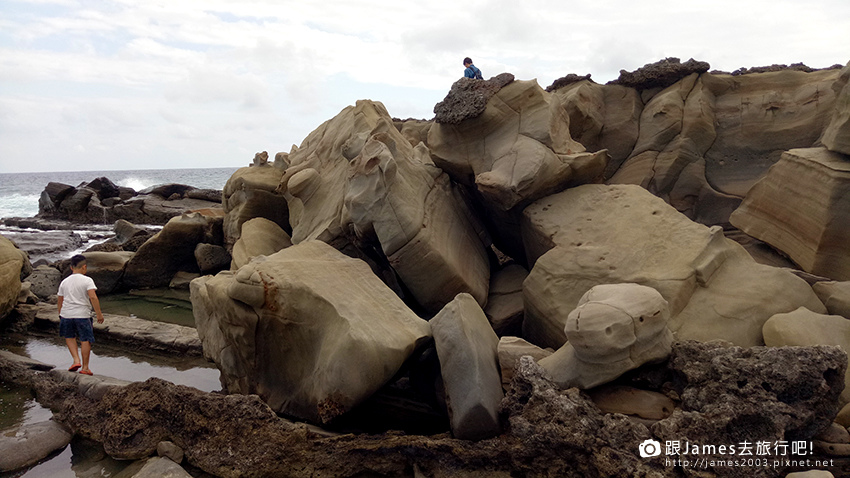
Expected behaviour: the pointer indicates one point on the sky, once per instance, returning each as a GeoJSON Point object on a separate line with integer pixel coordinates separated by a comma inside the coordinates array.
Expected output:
{"type": "Point", "coordinates": [128, 84]}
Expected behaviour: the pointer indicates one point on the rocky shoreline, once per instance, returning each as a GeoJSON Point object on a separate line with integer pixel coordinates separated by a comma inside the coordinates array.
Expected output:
{"type": "Point", "coordinates": [535, 283]}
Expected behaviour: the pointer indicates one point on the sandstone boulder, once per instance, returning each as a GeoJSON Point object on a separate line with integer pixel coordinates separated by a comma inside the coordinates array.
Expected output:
{"type": "Point", "coordinates": [835, 296]}
{"type": "Point", "coordinates": [597, 234]}
{"type": "Point", "coordinates": [45, 281]}
{"type": "Point", "coordinates": [395, 196]}
{"type": "Point", "coordinates": [259, 237]}
{"type": "Point", "coordinates": [12, 262]}
{"type": "Point", "coordinates": [517, 150]}
{"type": "Point", "coordinates": [836, 136]}
{"type": "Point", "coordinates": [107, 269]}
{"type": "Point", "coordinates": [706, 139]}
{"type": "Point", "coordinates": [504, 307]}
{"type": "Point", "coordinates": [158, 467]}
{"type": "Point", "coordinates": [468, 351]}
{"type": "Point", "coordinates": [803, 327]}
{"type": "Point", "coordinates": [172, 249]}
{"type": "Point", "coordinates": [250, 193]}
{"type": "Point", "coordinates": [615, 328]}
{"type": "Point", "coordinates": [211, 258]}
{"type": "Point", "coordinates": [812, 228]}
{"type": "Point", "coordinates": [603, 117]}
{"type": "Point", "coordinates": [309, 330]}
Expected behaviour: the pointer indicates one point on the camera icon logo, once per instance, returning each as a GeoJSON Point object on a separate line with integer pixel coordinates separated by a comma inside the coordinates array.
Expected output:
{"type": "Point", "coordinates": [649, 448]}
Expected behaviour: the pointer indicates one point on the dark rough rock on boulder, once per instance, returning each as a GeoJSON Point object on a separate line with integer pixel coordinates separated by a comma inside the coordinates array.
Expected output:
{"type": "Point", "coordinates": [733, 394]}
{"type": "Point", "coordinates": [468, 98]}
{"type": "Point", "coordinates": [661, 74]}
{"type": "Point", "coordinates": [566, 81]}
{"type": "Point", "coordinates": [212, 258]}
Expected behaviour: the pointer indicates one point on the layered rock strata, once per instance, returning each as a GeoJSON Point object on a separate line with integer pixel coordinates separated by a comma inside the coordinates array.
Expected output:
{"type": "Point", "coordinates": [809, 224]}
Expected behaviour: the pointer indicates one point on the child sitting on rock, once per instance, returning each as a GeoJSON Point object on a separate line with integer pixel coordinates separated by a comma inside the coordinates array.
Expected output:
{"type": "Point", "coordinates": [76, 298]}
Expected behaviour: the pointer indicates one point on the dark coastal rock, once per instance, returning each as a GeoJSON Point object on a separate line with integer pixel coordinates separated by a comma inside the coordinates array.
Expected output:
{"type": "Point", "coordinates": [171, 250]}
{"type": "Point", "coordinates": [45, 281]}
{"type": "Point", "coordinates": [39, 243]}
{"type": "Point", "coordinates": [566, 81]}
{"type": "Point", "coordinates": [660, 74]}
{"type": "Point", "coordinates": [102, 202]}
{"type": "Point", "coordinates": [732, 394]}
{"type": "Point", "coordinates": [212, 258]}
{"type": "Point", "coordinates": [468, 98]}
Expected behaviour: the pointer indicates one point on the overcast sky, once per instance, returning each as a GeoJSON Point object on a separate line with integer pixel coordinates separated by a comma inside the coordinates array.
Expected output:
{"type": "Point", "coordinates": [129, 84]}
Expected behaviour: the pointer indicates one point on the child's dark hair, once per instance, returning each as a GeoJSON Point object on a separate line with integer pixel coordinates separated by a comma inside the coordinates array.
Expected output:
{"type": "Point", "coordinates": [467, 60]}
{"type": "Point", "coordinates": [77, 260]}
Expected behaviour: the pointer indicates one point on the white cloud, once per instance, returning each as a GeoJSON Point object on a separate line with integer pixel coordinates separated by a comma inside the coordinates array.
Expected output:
{"type": "Point", "coordinates": [170, 84]}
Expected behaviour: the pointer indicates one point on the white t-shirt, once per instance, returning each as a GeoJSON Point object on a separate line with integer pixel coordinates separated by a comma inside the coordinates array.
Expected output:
{"type": "Point", "coordinates": [75, 293]}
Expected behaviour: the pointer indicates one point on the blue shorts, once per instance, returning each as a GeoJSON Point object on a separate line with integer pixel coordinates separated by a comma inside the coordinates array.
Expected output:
{"type": "Point", "coordinates": [77, 328]}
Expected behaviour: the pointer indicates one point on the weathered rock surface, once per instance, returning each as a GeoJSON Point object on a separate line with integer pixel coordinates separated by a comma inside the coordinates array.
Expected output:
{"type": "Point", "coordinates": [395, 196]}
{"type": "Point", "coordinates": [595, 234]}
{"type": "Point", "coordinates": [45, 281]}
{"type": "Point", "coordinates": [812, 229]}
{"type": "Point", "coordinates": [603, 117]}
{"type": "Point", "coordinates": [28, 444]}
{"type": "Point", "coordinates": [107, 269]}
{"type": "Point", "coordinates": [632, 401]}
{"type": "Point", "coordinates": [250, 193]}
{"type": "Point", "coordinates": [518, 150]}
{"type": "Point", "coordinates": [171, 250]}
{"type": "Point", "coordinates": [733, 394]}
{"type": "Point", "coordinates": [211, 258]}
{"type": "Point", "coordinates": [660, 74]}
{"type": "Point", "coordinates": [504, 307]}
{"type": "Point", "coordinates": [511, 349]}
{"type": "Point", "coordinates": [170, 450]}
{"type": "Point", "coordinates": [835, 296]}
{"type": "Point", "coordinates": [43, 243]}
{"type": "Point", "coordinates": [614, 328]}
{"type": "Point", "coordinates": [468, 98]}
{"type": "Point", "coordinates": [803, 327]}
{"type": "Point", "coordinates": [135, 332]}
{"type": "Point", "coordinates": [259, 237]}
{"type": "Point", "coordinates": [311, 331]}
{"type": "Point", "coordinates": [706, 139]}
{"type": "Point", "coordinates": [12, 265]}
{"type": "Point", "coordinates": [834, 434]}
{"type": "Point", "coordinates": [836, 136]}
{"type": "Point", "coordinates": [469, 362]}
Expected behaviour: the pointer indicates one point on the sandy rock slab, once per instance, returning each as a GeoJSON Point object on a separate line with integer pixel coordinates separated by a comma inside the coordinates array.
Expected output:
{"type": "Point", "coordinates": [836, 136]}
{"type": "Point", "coordinates": [597, 234]}
{"type": "Point", "coordinates": [310, 330]}
{"type": "Point", "coordinates": [808, 223]}
{"type": "Point", "coordinates": [26, 445]}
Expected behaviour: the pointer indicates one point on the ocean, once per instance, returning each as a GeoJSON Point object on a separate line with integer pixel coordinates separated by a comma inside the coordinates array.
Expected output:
{"type": "Point", "coordinates": [19, 193]}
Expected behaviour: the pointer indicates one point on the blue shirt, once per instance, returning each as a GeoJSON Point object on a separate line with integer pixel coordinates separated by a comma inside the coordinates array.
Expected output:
{"type": "Point", "coordinates": [471, 71]}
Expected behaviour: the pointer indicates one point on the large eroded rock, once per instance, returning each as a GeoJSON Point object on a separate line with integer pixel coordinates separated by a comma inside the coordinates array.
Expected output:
{"type": "Point", "coordinates": [310, 330]}
{"type": "Point", "coordinates": [802, 208]}
{"type": "Point", "coordinates": [397, 197]}
{"type": "Point", "coordinates": [250, 193]}
{"type": "Point", "coordinates": [259, 237]}
{"type": "Point", "coordinates": [469, 363]}
{"type": "Point", "coordinates": [596, 234]}
{"type": "Point", "coordinates": [171, 250]}
{"type": "Point", "coordinates": [518, 150]}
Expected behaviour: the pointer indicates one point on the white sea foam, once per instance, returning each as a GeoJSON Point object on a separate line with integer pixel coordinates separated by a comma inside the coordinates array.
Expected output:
{"type": "Point", "coordinates": [136, 183]}
{"type": "Point", "coordinates": [19, 205]}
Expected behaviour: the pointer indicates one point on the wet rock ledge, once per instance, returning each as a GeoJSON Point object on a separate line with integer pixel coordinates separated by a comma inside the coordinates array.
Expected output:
{"type": "Point", "coordinates": [787, 393]}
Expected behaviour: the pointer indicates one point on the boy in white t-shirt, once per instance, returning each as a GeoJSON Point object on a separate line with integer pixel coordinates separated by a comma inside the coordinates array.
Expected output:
{"type": "Point", "coordinates": [76, 298]}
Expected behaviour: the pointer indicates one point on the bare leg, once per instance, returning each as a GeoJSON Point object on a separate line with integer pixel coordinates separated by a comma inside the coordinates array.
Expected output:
{"type": "Point", "coordinates": [72, 347]}
{"type": "Point", "coordinates": [86, 346]}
